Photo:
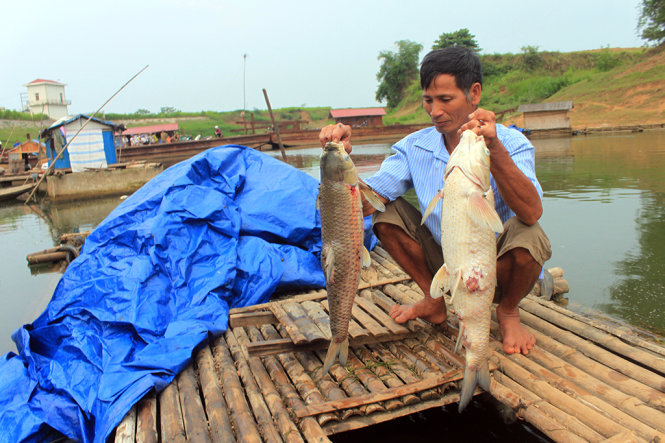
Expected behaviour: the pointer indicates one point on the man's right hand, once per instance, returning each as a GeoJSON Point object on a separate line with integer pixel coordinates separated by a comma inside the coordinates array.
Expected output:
{"type": "Point", "coordinates": [336, 133]}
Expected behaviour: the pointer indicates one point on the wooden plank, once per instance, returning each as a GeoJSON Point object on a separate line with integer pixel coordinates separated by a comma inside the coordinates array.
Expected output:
{"type": "Point", "coordinates": [389, 393]}
{"type": "Point", "coordinates": [367, 322]}
{"type": "Point", "coordinates": [297, 337]}
{"type": "Point", "coordinates": [146, 419]}
{"type": "Point", "coordinates": [171, 425]}
{"type": "Point", "coordinates": [251, 318]}
{"type": "Point", "coordinates": [194, 418]}
{"type": "Point", "coordinates": [216, 408]}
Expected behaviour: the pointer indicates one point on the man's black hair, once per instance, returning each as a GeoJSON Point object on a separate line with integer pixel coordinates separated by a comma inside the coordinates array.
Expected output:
{"type": "Point", "coordinates": [458, 61]}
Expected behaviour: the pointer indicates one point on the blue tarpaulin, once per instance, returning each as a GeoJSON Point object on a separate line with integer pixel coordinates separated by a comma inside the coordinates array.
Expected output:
{"type": "Point", "coordinates": [155, 280]}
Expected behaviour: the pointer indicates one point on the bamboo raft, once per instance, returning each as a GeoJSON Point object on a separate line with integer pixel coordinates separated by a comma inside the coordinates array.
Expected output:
{"type": "Point", "coordinates": [584, 381]}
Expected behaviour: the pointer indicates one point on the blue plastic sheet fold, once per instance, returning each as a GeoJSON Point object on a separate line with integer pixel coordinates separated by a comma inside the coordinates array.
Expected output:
{"type": "Point", "coordinates": [155, 280]}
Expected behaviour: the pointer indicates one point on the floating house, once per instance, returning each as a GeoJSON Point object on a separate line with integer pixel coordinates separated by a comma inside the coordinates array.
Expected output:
{"type": "Point", "coordinates": [47, 97]}
{"type": "Point", "coordinates": [93, 147]}
{"type": "Point", "coordinates": [359, 116]}
{"type": "Point", "coordinates": [544, 116]}
{"type": "Point", "coordinates": [25, 155]}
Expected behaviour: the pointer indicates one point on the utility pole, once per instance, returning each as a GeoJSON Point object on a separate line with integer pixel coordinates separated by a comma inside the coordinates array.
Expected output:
{"type": "Point", "coordinates": [244, 100]}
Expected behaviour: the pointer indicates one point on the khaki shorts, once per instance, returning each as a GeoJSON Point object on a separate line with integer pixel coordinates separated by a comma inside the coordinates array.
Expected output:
{"type": "Point", "coordinates": [515, 234]}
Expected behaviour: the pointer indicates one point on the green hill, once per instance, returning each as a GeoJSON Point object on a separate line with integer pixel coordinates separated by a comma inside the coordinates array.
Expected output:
{"type": "Point", "coordinates": [608, 87]}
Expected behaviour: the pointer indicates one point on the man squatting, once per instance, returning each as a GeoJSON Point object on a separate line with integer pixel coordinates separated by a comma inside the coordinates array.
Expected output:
{"type": "Point", "coordinates": [451, 80]}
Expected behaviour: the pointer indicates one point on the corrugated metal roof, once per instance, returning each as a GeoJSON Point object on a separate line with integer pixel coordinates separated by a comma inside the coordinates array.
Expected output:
{"type": "Point", "coordinates": [552, 106]}
{"type": "Point", "coordinates": [68, 119]}
{"type": "Point", "coordinates": [356, 112]}
{"type": "Point", "coordinates": [151, 129]}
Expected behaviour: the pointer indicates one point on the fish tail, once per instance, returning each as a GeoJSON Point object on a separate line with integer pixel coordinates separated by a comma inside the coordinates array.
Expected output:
{"type": "Point", "coordinates": [334, 350]}
{"type": "Point", "coordinates": [473, 378]}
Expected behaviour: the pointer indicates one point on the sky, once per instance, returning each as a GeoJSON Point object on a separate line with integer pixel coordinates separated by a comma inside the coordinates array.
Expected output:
{"type": "Point", "coordinates": [304, 53]}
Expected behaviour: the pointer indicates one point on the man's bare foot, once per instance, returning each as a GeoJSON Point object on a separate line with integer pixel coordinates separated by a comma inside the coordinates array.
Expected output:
{"type": "Point", "coordinates": [434, 311]}
{"type": "Point", "coordinates": [516, 338]}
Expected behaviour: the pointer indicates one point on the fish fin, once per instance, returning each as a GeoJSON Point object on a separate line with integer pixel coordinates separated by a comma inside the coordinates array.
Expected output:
{"type": "Point", "coordinates": [468, 387]}
{"type": "Point", "coordinates": [432, 204]}
{"type": "Point", "coordinates": [458, 342]}
{"type": "Point", "coordinates": [458, 280]}
{"type": "Point", "coordinates": [484, 379]}
{"type": "Point", "coordinates": [371, 196]}
{"type": "Point", "coordinates": [365, 258]}
{"type": "Point", "coordinates": [439, 281]}
{"type": "Point", "coordinates": [483, 213]}
{"type": "Point", "coordinates": [331, 356]}
{"type": "Point", "coordinates": [328, 255]}
{"type": "Point", "coordinates": [344, 351]}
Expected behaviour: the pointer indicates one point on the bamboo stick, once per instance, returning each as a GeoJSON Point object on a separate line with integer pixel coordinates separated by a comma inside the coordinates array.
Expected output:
{"type": "Point", "coordinates": [609, 376]}
{"type": "Point", "coordinates": [365, 301]}
{"type": "Point", "coordinates": [295, 334]}
{"type": "Point", "coordinates": [303, 322]}
{"type": "Point", "coordinates": [400, 296]}
{"type": "Point", "coordinates": [586, 414]}
{"type": "Point", "coordinates": [146, 419]}
{"type": "Point", "coordinates": [125, 432]}
{"type": "Point", "coordinates": [318, 316]}
{"type": "Point", "coordinates": [585, 397]}
{"type": "Point", "coordinates": [216, 408]}
{"type": "Point", "coordinates": [402, 371]}
{"type": "Point", "coordinates": [355, 330]}
{"type": "Point", "coordinates": [384, 372]}
{"type": "Point", "coordinates": [608, 341]}
{"type": "Point", "coordinates": [426, 354]}
{"type": "Point", "coordinates": [600, 355]}
{"type": "Point", "coordinates": [172, 428]}
{"type": "Point", "coordinates": [193, 416]}
{"type": "Point", "coordinates": [371, 382]}
{"type": "Point", "coordinates": [252, 391]}
{"type": "Point", "coordinates": [287, 429]}
{"type": "Point", "coordinates": [309, 426]}
{"type": "Point", "coordinates": [531, 405]}
{"type": "Point", "coordinates": [241, 416]}
{"type": "Point", "coordinates": [623, 333]}
{"type": "Point", "coordinates": [367, 322]}
{"type": "Point", "coordinates": [313, 295]}
{"type": "Point", "coordinates": [627, 403]}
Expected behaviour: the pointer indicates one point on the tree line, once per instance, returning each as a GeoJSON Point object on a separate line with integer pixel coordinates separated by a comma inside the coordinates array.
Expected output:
{"type": "Point", "coordinates": [399, 69]}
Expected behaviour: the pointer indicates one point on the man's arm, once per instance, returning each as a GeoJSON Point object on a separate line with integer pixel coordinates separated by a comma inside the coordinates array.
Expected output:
{"type": "Point", "coordinates": [516, 189]}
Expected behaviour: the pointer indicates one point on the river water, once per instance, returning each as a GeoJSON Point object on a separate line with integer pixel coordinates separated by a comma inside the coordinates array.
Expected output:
{"type": "Point", "coordinates": [604, 212]}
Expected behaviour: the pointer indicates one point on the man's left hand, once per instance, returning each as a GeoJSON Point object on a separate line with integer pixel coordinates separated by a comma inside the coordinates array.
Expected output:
{"type": "Point", "coordinates": [482, 122]}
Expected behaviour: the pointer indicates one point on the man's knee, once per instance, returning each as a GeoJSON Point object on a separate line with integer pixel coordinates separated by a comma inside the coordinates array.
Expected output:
{"type": "Point", "coordinates": [384, 230]}
{"type": "Point", "coordinates": [522, 258]}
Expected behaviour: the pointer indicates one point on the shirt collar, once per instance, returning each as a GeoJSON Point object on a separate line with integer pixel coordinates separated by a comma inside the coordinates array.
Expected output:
{"type": "Point", "coordinates": [432, 140]}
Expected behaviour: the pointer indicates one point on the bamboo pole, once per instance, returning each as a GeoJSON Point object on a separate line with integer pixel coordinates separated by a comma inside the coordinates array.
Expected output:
{"type": "Point", "coordinates": [304, 323]}
{"type": "Point", "coordinates": [623, 333]}
{"type": "Point", "coordinates": [372, 383]}
{"type": "Point", "coordinates": [216, 408]}
{"type": "Point", "coordinates": [584, 396]}
{"type": "Point", "coordinates": [252, 391]}
{"type": "Point", "coordinates": [125, 432]}
{"type": "Point", "coordinates": [384, 371]}
{"type": "Point", "coordinates": [588, 415]}
{"type": "Point", "coordinates": [365, 301]}
{"type": "Point", "coordinates": [171, 425]}
{"type": "Point", "coordinates": [309, 426]}
{"type": "Point", "coordinates": [146, 419]}
{"type": "Point", "coordinates": [556, 431]}
{"type": "Point", "coordinates": [594, 352]}
{"type": "Point", "coordinates": [275, 127]}
{"type": "Point", "coordinates": [193, 415]}
{"type": "Point", "coordinates": [610, 376]}
{"type": "Point", "coordinates": [530, 406]}
{"type": "Point", "coordinates": [627, 403]}
{"type": "Point", "coordinates": [605, 339]}
{"type": "Point", "coordinates": [241, 416]}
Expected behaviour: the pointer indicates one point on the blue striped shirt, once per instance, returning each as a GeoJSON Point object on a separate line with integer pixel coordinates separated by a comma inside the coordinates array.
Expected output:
{"type": "Point", "coordinates": [420, 160]}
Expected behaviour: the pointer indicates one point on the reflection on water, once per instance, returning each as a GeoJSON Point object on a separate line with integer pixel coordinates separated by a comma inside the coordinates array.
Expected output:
{"type": "Point", "coordinates": [604, 213]}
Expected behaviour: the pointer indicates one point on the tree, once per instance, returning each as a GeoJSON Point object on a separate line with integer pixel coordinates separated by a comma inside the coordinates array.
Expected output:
{"type": "Point", "coordinates": [652, 21]}
{"type": "Point", "coordinates": [142, 112]}
{"type": "Point", "coordinates": [168, 110]}
{"type": "Point", "coordinates": [531, 59]}
{"type": "Point", "coordinates": [461, 37]}
{"type": "Point", "coordinates": [397, 71]}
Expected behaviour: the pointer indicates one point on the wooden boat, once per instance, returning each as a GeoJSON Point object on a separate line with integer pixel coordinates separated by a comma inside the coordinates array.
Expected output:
{"type": "Point", "coordinates": [11, 192]}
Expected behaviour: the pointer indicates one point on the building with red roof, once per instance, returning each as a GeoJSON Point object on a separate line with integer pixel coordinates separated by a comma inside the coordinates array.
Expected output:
{"type": "Point", "coordinates": [359, 116]}
{"type": "Point", "coordinates": [47, 97]}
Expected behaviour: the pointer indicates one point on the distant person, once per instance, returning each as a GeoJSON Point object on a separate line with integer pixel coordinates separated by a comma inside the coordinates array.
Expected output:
{"type": "Point", "coordinates": [451, 81]}
{"type": "Point", "coordinates": [218, 132]}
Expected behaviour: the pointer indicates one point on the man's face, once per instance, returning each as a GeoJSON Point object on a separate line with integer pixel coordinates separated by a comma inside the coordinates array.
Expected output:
{"type": "Point", "coordinates": [447, 105]}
